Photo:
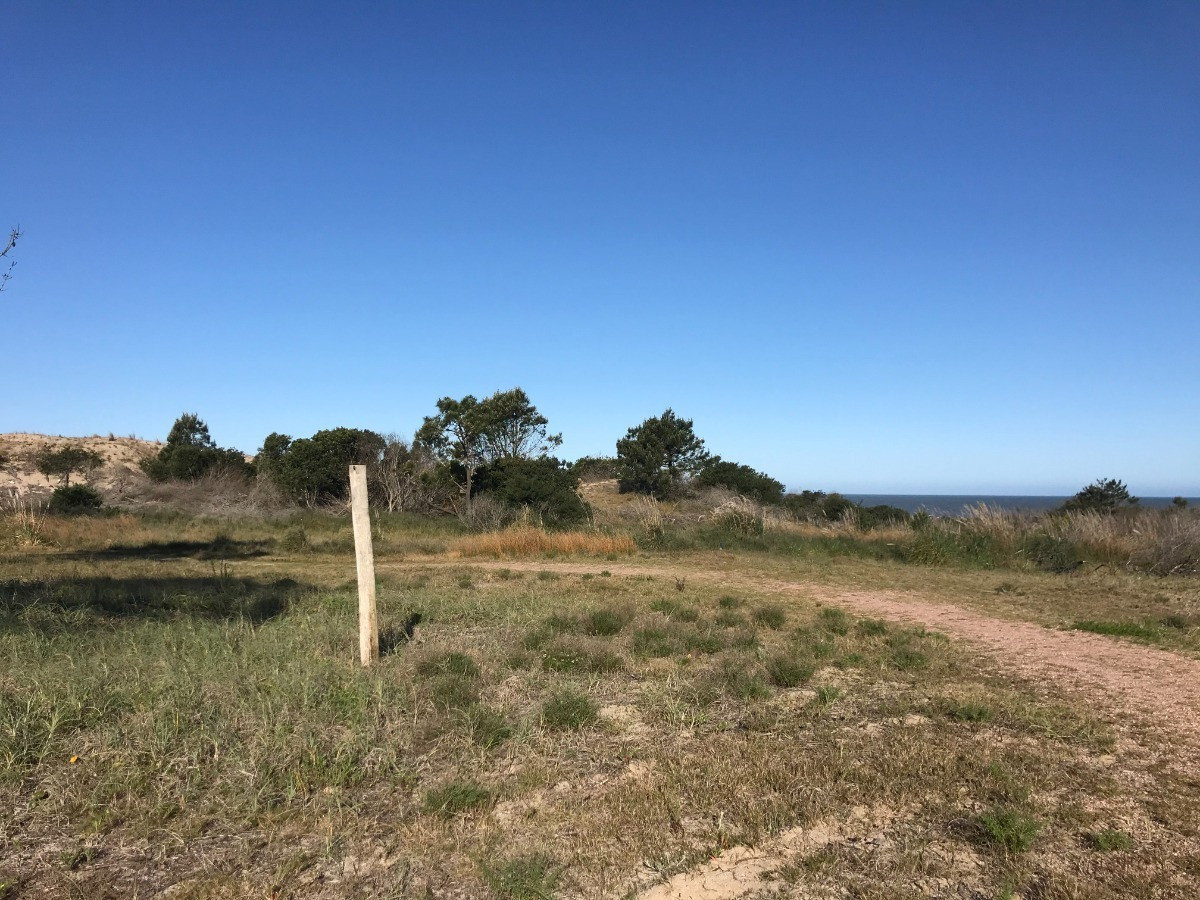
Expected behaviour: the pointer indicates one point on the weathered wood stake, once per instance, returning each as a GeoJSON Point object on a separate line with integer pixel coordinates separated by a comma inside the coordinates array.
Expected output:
{"type": "Point", "coordinates": [368, 623]}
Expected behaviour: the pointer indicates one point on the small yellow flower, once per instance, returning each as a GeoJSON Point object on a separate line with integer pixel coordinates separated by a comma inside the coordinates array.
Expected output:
{"type": "Point", "coordinates": [74, 759]}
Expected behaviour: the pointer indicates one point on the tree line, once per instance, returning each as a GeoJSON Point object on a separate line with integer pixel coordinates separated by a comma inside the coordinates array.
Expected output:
{"type": "Point", "coordinates": [482, 459]}
{"type": "Point", "coordinates": [472, 457]}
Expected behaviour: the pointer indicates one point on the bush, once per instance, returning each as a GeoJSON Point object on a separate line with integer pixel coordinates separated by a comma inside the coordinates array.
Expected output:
{"type": "Point", "coordinates": [543, 484]}
{"type": "Point", "coordinates": [742, 479]}
{"type": "Point", "coordinates": [595, 468]}
{"type": "Point", "coordinates": [75, 500]}
{"type": "Point", "coordinates": [317, 469]}
{"type": "Point", "coordinates": [191, 453]}
{"type": "Point", "coordinates": [1102, 495]}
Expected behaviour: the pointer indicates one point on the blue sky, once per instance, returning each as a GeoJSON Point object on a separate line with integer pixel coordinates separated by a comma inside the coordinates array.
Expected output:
{"type": "Point", "coordinates": [921, 247]}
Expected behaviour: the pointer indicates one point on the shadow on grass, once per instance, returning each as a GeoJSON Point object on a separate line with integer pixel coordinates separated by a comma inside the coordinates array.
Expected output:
{"type": "Point", "coordinates": [217, 597]}
{"type": "Point", "coordinates": [218, 548]}
{"type": "Point", "coordinates": [392, 639]}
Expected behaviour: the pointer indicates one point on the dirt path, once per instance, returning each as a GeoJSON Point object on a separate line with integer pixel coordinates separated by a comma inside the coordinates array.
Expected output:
{"type": "Point", "coordinates": [1160, 688]}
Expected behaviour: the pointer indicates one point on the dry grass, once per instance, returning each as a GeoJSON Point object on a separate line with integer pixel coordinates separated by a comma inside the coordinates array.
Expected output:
{"type": "Point", "coordinates": [219, 753]}
{"type": "Point", "coordinates": [527, 541]}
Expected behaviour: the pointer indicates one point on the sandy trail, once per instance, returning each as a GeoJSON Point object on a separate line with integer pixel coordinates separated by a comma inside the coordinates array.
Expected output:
{"type": "Point", "coordinates": [1159, 688]}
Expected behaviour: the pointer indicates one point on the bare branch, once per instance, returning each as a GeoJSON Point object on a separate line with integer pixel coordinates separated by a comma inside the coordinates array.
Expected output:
{"type": "Point", "coordinates": [13, 236]}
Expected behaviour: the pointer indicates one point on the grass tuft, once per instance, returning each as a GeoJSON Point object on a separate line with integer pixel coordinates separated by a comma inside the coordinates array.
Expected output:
{"type": "Point", "coordinates": [787, 671]}
{"type": "Point", "coordinates": [1009, 828]}
{"type": "Point", "coordinates": [1110, 840]}
{"type": "Point", "coordinates": [522, 878]}
{"type": "Point", "coordinates": [1117, 629]}
{"type": "Point", "coordinates": [456, 797]}
{"type": "Point", "coordinates": [771, 615]}
{"type": "Point", "coordinates": [448, 664]}
{"type": "Point", "coordinates": [605, 622]}
{"type": "Point", "coordinates": [567, 710]}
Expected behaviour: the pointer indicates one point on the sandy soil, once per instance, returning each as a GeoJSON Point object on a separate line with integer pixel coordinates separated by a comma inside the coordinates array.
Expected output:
{"type": "Point", "coordinates": [121, 455]}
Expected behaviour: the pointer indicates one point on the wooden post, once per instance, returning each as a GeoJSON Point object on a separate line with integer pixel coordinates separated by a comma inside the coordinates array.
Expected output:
{"type": "Point", "coordinates": [368, 623]}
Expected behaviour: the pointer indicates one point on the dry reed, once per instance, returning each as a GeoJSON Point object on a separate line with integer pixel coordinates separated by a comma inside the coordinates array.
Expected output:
{"type": "Point", "coordinates": [528, 541]}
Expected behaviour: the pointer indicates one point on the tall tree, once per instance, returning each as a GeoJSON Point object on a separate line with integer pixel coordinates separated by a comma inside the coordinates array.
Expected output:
{"type": "Point", "coordinates": [469, 433]}
{"type": "Point", "coordinates": [190, 452]}
{"type": "Point", "coordinates": [654, 457]}
{"type": "Point", "coordinates": [64, 463]}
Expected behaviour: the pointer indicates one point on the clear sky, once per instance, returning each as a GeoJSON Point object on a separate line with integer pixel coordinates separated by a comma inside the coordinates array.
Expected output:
{"type": "Point", "coordinates": [876, 247]}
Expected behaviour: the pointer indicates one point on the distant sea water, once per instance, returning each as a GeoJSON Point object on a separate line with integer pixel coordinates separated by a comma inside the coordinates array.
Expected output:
{"type": "Point", "coordinates": [953, 504]}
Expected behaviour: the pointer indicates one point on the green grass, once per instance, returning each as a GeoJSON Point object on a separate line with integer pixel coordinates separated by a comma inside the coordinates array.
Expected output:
{"type": "Point", "coordinates": [834, 620]}
{"type": "Point", "coordinates": [577, 658]}
{"type": "Point", "coordinates": [772, 615]}
{"type": "Point", "coordinates": [567, 710]}
{"type": "Point", "coordinates": [675, 611]}
{"type": "Point", "coordinates": [456, 797]}
{"type": "Point", "coordinates": [969, 712]}
{"type": "Point", "coordinates": [1110, 840]}
{"type": "Point", "coordinates": [655, 643]}
{"type": "Point", "coordinates": [488, 727]}
{"type": "Point", "coordinates": [1009, 829]}
{"type": "Point", "coordinates": [200, 726]}
{"type": "Point", "coordinates": [531, 877]}
{"type": "Point", "coordinates": [788, 671]}
{"type": "Point", "coordinates": [605, 622]}
{"type": "Point", "coordinates": [1118, 629]}
{"type": "Point", "coordinates": [448, 664]}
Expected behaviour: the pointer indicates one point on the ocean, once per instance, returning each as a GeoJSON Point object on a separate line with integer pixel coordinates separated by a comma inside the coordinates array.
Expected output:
{"type": "Point", "coordinates": [953, 504]}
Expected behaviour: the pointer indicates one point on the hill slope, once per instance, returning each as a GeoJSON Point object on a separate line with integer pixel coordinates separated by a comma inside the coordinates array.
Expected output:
{"type": "Point", "coordinates": [122, 457]}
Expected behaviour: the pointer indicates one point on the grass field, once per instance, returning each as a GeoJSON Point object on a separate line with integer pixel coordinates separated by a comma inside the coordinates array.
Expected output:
{"type": "Point", "coordinates": [182, 715]}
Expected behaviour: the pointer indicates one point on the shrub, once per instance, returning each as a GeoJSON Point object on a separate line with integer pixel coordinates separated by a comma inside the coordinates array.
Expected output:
{"type": "Point", "coordinates": [75, 499]}
{"type": "Point", "coordinates": [295, 540]}
{"type": "Point", "coordinates": [190, 453]}
{"type": "Point", "coordinates": [544, 485]}
{"type": "Point", "coordinates": [317, 469]}
{"type": "Point", "coordinates": [742, 479]}
{"type": "Point", "coordinates": [1102, 495]}
{"type": "Point", "coordinates": [62, 464]}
